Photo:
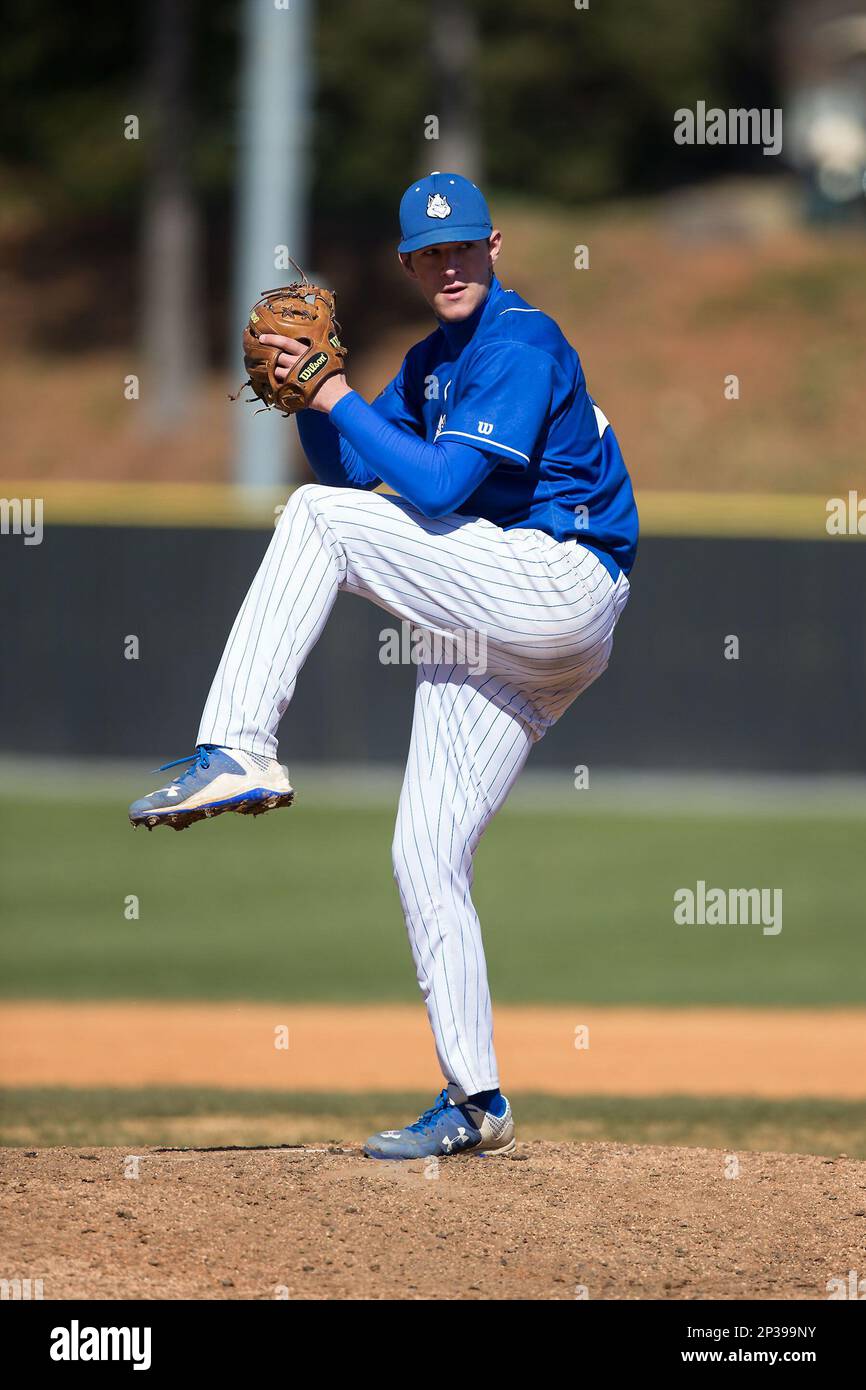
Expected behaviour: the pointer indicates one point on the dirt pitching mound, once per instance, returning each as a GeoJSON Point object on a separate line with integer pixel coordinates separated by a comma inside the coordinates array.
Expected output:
{"type": "Point", "coordinates": [559, 1221]}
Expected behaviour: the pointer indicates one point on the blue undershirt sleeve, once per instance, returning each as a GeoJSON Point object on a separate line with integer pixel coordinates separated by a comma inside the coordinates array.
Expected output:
{"type": "Point", "coordinates": [435, 478]}
{"type": "Point", "coordinates": [332, 458]}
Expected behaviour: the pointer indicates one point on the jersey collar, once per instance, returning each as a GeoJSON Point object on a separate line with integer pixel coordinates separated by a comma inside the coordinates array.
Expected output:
{"type": "Point", "coordinates": [457, 335]}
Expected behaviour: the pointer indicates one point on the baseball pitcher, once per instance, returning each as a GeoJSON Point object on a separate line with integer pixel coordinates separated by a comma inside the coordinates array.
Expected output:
{"type": "Point", "coordinates": [514, 521]}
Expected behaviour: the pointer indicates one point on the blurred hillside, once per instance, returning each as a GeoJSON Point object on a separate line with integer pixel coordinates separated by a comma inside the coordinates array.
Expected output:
{"type": "Point", "coordinates": [665, 312]}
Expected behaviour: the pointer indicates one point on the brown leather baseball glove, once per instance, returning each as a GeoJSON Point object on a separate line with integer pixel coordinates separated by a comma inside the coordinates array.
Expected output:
{"type": "Point", "coordinates": [305, 312]}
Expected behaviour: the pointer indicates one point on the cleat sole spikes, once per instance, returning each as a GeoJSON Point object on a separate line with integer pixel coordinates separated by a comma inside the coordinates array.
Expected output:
{"type": "Point", "coordinates": [179, 820]}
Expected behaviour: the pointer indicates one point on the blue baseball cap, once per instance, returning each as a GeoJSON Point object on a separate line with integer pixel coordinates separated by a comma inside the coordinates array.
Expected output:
{"type": "Point", "coordinates": [442, 207]}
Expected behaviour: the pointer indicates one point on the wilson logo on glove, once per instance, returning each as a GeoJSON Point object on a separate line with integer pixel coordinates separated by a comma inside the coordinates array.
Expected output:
{"type": "Point", "coordinates": [313, 368]}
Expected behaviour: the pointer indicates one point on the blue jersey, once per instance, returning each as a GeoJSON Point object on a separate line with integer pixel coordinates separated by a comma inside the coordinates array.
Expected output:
{"type": "Point", "coordinates": [507, 382]}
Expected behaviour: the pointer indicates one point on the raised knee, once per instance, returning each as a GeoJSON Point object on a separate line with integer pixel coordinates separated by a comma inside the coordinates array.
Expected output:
{"type": "Point", "coordinates": [309, 496]}
{"type": "Point", "coordinates": [311, 503]}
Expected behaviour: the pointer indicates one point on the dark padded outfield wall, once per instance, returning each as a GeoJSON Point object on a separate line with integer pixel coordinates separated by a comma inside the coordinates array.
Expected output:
{"type": "Point", "coordinates": [793, 701]}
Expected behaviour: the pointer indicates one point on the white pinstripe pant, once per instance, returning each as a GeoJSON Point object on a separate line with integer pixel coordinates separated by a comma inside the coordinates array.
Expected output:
{"type": "Point", "coordinates": [547, 611]}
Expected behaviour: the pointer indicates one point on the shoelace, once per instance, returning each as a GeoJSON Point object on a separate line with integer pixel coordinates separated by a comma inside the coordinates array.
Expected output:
{"type": "Point", "coordinates": [196, 760]}
{"type": "Point", "coordinates": [441, 1103]}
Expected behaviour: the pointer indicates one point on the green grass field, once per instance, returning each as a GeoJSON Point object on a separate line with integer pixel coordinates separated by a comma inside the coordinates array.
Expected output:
{"type": "Point", "coordinates": [300, 905]}
{"type": "Point", "coordinates": [179, 1116]}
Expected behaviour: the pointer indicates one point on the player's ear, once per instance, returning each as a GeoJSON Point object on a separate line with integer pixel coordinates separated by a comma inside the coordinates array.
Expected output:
{"type": "Point", "coordinates": [494, 246]}
{"type": "Point", "coordinates": [405, 259]}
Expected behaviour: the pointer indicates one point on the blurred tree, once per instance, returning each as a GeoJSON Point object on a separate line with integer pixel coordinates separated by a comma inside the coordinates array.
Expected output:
{"type": "Point", "coordinates": [68, 77]}
{"type": "Point", "coordinates": [170, 241]}
{"type": "Point", "coordinates": [374, 89]}
{"type": "Point", "coordinates": [454, 53]}
{"type": "Point", "coordinates": [579, 104]}
{"type": "Point", "coordinates": [571, 106]}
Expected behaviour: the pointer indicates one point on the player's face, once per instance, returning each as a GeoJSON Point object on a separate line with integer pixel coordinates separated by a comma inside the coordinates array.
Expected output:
{"type": "Point", "coordinates": [454, 276]}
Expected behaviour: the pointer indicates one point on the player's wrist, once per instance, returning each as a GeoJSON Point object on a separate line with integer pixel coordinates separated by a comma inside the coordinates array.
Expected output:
{"type": "Point", "coordinates": [330, 392]}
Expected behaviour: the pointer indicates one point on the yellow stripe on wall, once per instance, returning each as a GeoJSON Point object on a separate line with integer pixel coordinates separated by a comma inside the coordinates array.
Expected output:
{"type": "Point", "coordinates": [662, 513]}
{"type": "Point", "coordinates": [770, 515]}
{"type": "Point", "coordinates": [68, 503]}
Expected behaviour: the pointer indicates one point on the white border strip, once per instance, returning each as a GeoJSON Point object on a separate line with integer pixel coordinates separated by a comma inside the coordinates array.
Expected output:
{"type": "Point", "coordinates": [484, 439]}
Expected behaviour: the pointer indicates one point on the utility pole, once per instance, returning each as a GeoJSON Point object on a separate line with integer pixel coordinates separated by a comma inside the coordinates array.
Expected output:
{"type": "Point", "coordinates": [272, 210]}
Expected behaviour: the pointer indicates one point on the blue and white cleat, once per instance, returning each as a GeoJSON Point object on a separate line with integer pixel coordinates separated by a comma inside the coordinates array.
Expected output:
{"type": "Point", "coordinates": [453, 1125]}
{"type": "Point", "coordinates": [218, 779]}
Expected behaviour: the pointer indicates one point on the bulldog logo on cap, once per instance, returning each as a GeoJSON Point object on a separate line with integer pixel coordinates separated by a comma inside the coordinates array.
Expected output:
{"type": "Point", "coordinates": [438, 205]}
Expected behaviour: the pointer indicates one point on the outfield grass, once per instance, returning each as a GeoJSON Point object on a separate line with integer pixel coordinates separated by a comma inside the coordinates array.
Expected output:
{"type": "Point", "coordinates": [300, 905]}
{"type": "Point", "coordinates": [184, 1117]}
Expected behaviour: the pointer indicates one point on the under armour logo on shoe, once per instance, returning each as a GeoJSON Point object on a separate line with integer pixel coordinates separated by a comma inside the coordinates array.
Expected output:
{"type": "Point", "coordinates": [461, 1137]}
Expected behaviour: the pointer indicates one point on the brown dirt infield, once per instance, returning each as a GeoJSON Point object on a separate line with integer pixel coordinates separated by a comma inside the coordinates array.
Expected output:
{"type": "Point", "coordinates": [621, 1221]}
{"type": "Point", "coordinates": [777, 1054]}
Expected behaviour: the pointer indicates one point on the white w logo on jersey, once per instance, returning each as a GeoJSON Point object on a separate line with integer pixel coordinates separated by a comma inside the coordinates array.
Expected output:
{"type": "Point", "coordinates": [485, 427]}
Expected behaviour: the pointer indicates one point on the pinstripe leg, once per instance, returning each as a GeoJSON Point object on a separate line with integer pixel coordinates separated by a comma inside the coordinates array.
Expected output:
{"type": "Point", "coordinates": [466, 752]}
{"type": "Point", "coordinates": [278, 624]}
{"type": "Point", "coordinates": [546, 611]}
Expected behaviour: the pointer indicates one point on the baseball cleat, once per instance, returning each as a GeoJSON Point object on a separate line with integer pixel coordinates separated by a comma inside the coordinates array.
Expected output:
{"type": "Point", "coordinates": [453, 1125]}
{"type": "Point", "coordinates": [218, 779]}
